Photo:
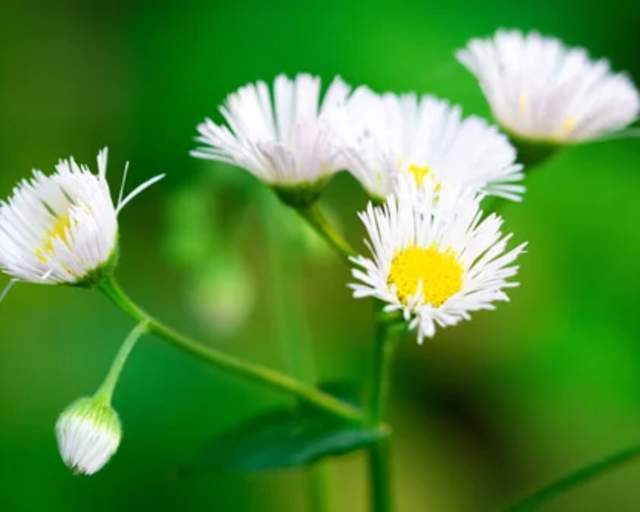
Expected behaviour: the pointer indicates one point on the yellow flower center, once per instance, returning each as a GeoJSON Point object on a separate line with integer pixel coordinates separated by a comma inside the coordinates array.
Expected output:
{"type": "Point", "coordinates": [420, 172]}
{"type": "Point", "coordinates": [439, 273]}
{"type": "Point", "coordinates": [60, 230]}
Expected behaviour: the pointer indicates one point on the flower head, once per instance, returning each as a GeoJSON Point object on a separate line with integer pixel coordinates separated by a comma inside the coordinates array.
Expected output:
{"type": "Point", "coordinates": [284, 139]}
{"type": "Point", "coordinates": [61, 228]}
{"type": "Point", "coordinates": [392, 134]}
{"type": "Point", "coordinates": [540, 89]}
{"type": "Point", "coordinates": [433, 256]}
{"type": "Point", "coordinates": [88, 434]}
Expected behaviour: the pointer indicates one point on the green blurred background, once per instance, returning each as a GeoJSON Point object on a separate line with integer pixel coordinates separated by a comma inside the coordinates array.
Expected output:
{"type": "Point", "coordinates": [483, 414]}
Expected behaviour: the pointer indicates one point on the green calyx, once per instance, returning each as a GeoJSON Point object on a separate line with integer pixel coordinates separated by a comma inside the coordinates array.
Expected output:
{"type": "Point", "coordinates": [377, 200]}
{"type": "Point", "coordinates": [95, 410]}
{"type": "Point", "coordinates": [533, 151]}
{"type": "Point", "coordinates": [301, 195]}
{"type": "Point", "coordinates": [98, 274]}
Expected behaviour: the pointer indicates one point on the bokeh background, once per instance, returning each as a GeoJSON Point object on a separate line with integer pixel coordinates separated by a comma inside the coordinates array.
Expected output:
{"type": "Point", "coordinates": [483, 414]}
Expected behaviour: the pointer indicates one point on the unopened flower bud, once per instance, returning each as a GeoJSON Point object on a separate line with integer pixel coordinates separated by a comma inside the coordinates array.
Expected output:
{"type": "Point", "coordinates": [88, 433]}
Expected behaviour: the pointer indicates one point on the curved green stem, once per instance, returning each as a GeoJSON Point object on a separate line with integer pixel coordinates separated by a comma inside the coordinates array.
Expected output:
{"type": "Point", "coordinates": [313, 215]}
{"type": "Point", "coordinates": [105, 391]}
{"type": "Point", "coordinates": [256, 373]}
{"type": "Point", "coordinates": [576, 478]}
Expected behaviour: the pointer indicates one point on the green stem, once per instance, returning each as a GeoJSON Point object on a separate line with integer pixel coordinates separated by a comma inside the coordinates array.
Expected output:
{"type": "Point", "coordinates": [317, 220]}
{"type": "Point", "coordinates": [317, 484]}
{"type": "Point", "coordinates": [381, 376]}
{"type": "Point", "coordinates": [576, 478]}
{"type": "Point", "coordinates": [292, 330]}
{"type": "Point", "coordinates": [380, 477]}
{"type": "Point", "coordinates": [105, 391]}
{"type": "Point", "coordinates": [287, 300]}
{"type": "Point", "coordinates": [249, 371]}
{"type": "Point", "coordinates": [379, 470]}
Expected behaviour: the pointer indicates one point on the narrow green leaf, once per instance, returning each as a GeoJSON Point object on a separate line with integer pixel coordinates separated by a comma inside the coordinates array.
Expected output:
{"type": "Point", "coordinates": [579, 477]}
{"type": "Point", "coordinates": [283, 439]}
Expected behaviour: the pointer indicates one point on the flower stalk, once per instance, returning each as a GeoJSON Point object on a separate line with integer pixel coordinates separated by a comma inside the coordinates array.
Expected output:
{"type": "Point", "coordinates": [105, 391]}
{"type": "Point", "coordinates": [314, 216]}
{"type": "Point", "coordinates": [386, 337]}
{"type": "Point", "coordinates": [292, 333]}
{"type": "Point", "coordinates": [249, 371]}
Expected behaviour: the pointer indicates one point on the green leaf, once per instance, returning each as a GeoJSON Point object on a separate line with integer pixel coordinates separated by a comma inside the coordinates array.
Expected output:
{"type": "Point", "coordinates": [283, 439]}
{"type": "Point", "coordinates": [577, 478]}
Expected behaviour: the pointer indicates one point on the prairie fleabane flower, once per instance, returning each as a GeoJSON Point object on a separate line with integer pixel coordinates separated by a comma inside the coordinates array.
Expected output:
{"type": "Point", "coordinates": [88, 434]}
{"type": "Point", "coordinates": [284, 139]}
{"type": "Point", "coordinates": [433, 256]}
{"type": "Point", "coordinates": [540, 89]}
{"type": "Point", "coordinates": [61, 228]}
{"type": "Point", "coordinates": [425, 136]}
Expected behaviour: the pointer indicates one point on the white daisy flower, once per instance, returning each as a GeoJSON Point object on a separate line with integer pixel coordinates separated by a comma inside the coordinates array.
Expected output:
{"type": "Point", "coordinates": [540, 89]}
{"type": "Point", "coordinates": [62, 228]}
{"type": "Point", "coordinates": [88, 434]}
{"type": "Point", "coordinates": [285, 140]}
{"type": "Point", "coordinates": [433, 256]}
{"type": "Point", "coordinates": [425, 136]}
